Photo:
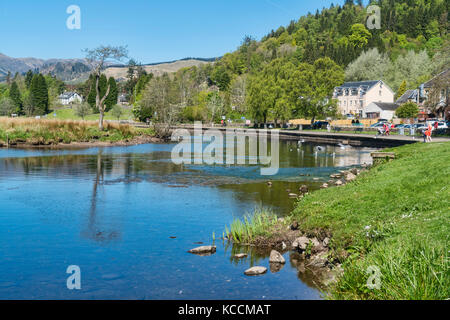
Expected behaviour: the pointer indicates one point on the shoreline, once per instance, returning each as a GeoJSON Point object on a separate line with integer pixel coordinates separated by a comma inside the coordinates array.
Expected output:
{"type": "Point", "coordinates": [382, 219]}
{"type": "Point", "coordinates": [143, 139]}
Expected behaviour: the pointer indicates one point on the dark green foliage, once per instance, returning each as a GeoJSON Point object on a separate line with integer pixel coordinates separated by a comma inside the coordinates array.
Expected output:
{"type": "Point", "coordinates": [102, 85]}
{"type": "Point", "coordinates": [28, 78]}
{"type": "Point", "coordinates": [407, 111]}
{"type": "Point", "coordinates": [39, 95]}
{"type": "Point", "coordinates": [113, 95]}
{"type": "Point", "coordinates": [15, 96]}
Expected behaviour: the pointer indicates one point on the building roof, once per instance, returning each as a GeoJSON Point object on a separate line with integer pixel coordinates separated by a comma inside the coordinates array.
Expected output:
{"type": "Point", "coordinates": [386, 106]}
{"type": "Point", "coordinates": [408, 95]}
{"type": "Point", "coordinates": [358, 84]}
{"type": "Point", "coordinates": [364, 86]}
{"type": "Point", "coordinates": [443, 75]}
{"type": "Point", "coordinates": [67, 95]}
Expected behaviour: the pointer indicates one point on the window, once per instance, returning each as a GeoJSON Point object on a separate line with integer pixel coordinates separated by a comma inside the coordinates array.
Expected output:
{"type": "Point", "coordinates": [381, 93]}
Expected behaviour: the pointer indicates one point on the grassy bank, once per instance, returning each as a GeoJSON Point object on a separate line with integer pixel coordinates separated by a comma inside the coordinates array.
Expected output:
{"type": "Point", "coordinates": [395, 217]}
{"type": "Point", "coordinates": [69, 114]}
{"type": "Point", "coordinates": [53, 132]}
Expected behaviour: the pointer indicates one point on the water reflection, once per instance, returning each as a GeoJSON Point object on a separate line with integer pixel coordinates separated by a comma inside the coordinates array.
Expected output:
{"type": "Point", "coordinates": [113, 211]}
{"type": "Point", "coordinates": [255, 256]}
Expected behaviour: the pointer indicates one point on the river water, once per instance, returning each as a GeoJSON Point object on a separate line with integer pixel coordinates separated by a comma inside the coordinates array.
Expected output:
{"type": "Point", "coordinates": [128, 215]}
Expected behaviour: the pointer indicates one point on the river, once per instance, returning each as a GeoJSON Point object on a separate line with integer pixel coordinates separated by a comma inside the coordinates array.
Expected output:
{"type": "Point", "coordinates": [128, 215]}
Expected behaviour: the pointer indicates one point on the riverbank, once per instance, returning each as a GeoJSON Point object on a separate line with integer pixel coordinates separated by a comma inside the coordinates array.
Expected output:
{"type": "Point", "coordinates": [391, 222]}
{"type": "Point", "coordinates": [70, 133]}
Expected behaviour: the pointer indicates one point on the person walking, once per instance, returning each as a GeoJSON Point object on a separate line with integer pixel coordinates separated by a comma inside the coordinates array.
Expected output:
{"type": "Point", "coordinates": [429, 132]}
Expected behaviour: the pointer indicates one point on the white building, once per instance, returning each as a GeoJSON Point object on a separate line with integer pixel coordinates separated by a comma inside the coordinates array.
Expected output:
{"type": "Point", "coordinates": [68, 98]}
{"type": "Point", "coordinates": [380, 110]}
{"type": "Point", "coordinates": [353, 97]}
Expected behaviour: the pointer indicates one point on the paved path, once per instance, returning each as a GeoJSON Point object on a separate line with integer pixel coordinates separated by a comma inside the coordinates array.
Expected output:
{"type": "Point", "coordinates": [332, 137]}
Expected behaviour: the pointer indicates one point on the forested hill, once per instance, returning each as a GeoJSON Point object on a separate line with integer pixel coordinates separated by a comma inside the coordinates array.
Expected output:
{"type": "Point", "coordinates": [340, 33]}
{"type": "Point", "coordinates": [291, 72]}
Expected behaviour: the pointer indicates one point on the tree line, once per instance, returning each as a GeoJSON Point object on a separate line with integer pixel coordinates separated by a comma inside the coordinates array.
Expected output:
{"type": "Point", "coordinates": [32, 94]}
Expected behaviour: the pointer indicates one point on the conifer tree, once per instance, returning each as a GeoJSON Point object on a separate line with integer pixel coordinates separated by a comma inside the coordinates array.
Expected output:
{"type": "Point", "coordinates": [14, 94]}
{"type": "Point", "coordinates": [111, 99]}
{"type": "Point", "coordinates": [39, 94]}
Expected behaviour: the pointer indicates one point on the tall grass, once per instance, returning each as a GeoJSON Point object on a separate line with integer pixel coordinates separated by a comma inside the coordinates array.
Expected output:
{"type": "Point", "coordinates": [258, 223]}
{"type": "Point", "coordinates": [40, 131]}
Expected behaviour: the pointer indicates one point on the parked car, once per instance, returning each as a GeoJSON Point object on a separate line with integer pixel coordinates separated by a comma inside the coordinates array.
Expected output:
{"type": "Point", "coordinates": [320, 125]}
{"type": "Point", "coordinates": [378, 124]}
{"type": "Point", "coordinates": [442, 125]}
{"type": "Point", "coordinates": [420, 126]}
{"type": "Point", "coordinates": [350, 116]}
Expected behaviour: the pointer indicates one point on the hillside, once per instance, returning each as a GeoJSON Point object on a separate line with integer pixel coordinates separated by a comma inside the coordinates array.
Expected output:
{"type": "Point", "coordinates": [119, 73]}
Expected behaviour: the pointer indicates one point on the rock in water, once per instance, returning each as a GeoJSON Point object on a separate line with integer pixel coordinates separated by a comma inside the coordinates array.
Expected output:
{"type": "Point", "coordinates": [319, 260]}
{"type": "Point", "coordinates": [339, 183]}
{"type": "Point", "coordinates": [324, 186]}
{"type": "Point", "coordinates": [255, 271]}
{"type": "Point", "coordinates": [304, 189]}
{"type": "Point", "coordinates": [203, 250]}
{"type": "Point", "coordinates": [276, 257]}
{"type": "Point", "coordinates": [240, 255]}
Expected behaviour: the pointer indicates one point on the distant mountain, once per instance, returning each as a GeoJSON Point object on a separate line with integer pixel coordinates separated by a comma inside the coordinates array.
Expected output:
{"type": "Point", "coordinates": [64, 69]}
{"type": "Point", "coordinates": [77, 70]}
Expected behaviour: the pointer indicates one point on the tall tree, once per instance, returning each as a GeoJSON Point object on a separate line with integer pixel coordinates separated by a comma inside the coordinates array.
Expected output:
{"type": "Point", "coordinates": [97, 58]}
{"type": "Point", "coordinates": [39, 94]}
{"type": "Point", "coordinates": [28, 78]}
{"type": "Point", "coordinates": [15, 96]}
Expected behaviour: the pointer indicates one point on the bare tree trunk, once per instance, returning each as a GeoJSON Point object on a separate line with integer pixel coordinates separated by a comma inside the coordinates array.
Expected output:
{"type": "Point", "coordinates": [100, 123]}
{"type": "Point", "coordinates": [100, 102]}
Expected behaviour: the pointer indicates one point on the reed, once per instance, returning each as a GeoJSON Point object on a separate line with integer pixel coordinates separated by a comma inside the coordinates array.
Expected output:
{"type": "Point", "coordinates": [48, 132]}
{"type": "Point", "coordinates": [258, 223]}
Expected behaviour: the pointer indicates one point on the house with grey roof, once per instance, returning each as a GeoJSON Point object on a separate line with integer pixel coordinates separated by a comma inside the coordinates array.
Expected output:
{"type": "Point", "coordinates": [68, 98]}
{"type": "Point", "coordinates": [353, 97]}
{"type": "Point", "coordinates": [380, 110]}
{"type": "Point", "coordinates": [409, 96]}
{"type": "Point", "coordinates": [435, 96]}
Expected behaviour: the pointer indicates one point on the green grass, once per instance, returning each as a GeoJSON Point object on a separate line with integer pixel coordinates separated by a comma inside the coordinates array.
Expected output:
{"type": "Point", "coordinates": [395, 217]}
{"type": "Point", "coordinates": [69, 114]}
{"type": "Point", "coordinates": [253, 225]}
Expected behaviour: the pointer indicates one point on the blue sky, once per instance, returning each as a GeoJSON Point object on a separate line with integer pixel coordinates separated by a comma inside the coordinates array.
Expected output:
{"type": "Point", "coordinates": [153, 30]}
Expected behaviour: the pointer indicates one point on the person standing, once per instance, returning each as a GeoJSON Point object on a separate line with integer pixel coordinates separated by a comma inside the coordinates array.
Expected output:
{"type": "Point", "coordinates": [429, 132]}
